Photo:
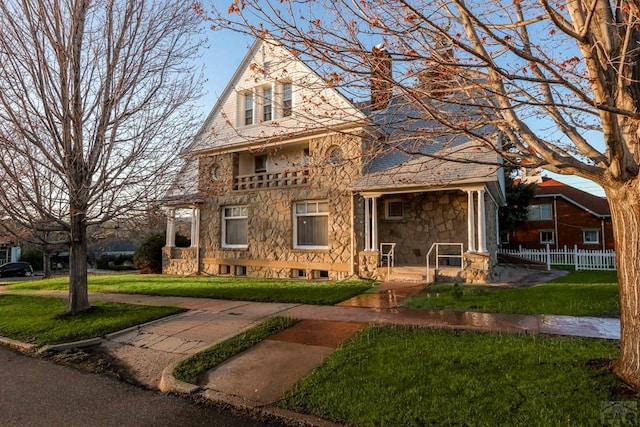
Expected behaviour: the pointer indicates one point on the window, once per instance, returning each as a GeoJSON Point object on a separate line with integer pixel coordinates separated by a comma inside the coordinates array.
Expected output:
{"type": "Point", "coordinates": [266, 104]}
{"type": "Point", "coordinates": [540, 212]}
{"type": "Point", "coordinates": [311, 225]}
{"type": "Point", "coordinates": [287, 98]}
{"type": "Point", "coordinates": [546, 236]}
{"type": "Point", "coordinates": [215, 172]}
{"type": "Point", "coordinates": [393, 209]}
{"type": "Point", "coordinates": [334, 157]}
{"type": "Point", "coordinates": [234, 226]}
{"type": "Point", "coordinates": [248, 109]}
{"type": "Point", "coordinates": [260, 163]}
{"type": "Point", "coordinates": [591, 237]}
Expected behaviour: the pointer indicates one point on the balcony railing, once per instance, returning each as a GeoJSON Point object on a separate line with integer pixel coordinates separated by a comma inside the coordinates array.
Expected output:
{"type": "Point", "coordinates": [279, 179]}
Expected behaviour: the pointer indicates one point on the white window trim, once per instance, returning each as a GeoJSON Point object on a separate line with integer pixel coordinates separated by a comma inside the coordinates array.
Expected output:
{"type": "Point", "coordinates": [386, 210]}
{"type": "Point", "coordinates": [223, 233]}
{"type": "Point", "coordinates": [282, 100]}
{"type": "Point", "coordinates": [243, 99]}
{"type": "Point", "coordinates": [547, 242]}
{"type": "Point", "coordinates": [597, 231]}
{"type": "Point", "coordinates": [264, 104]}
{"type": "Point", "coordinates": [295, 224]}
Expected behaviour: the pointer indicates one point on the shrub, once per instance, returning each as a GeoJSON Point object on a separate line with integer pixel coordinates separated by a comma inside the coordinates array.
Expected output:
{"type": "Point", "coordinates": [148, 257]}
{"type": "Point", "coordinates": [33, 257]}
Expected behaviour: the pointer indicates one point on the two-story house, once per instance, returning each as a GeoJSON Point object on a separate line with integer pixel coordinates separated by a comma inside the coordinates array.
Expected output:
{"type": "Point", "coordinates": [561, 215]}
{"type": "Point", "coordinates": [289, 178]}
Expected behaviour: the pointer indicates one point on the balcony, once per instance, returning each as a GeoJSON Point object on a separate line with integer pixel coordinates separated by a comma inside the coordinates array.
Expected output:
{"type": "Point", "coordinates": [276, 179]}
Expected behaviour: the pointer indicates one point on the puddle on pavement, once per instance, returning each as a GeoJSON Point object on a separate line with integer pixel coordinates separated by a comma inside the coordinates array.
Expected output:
{"type": "Point", "coordinates": [388, 299]}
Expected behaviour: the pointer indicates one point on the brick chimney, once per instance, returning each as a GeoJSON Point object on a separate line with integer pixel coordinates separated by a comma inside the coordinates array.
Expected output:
{"type": "Point", "coordinates": [381, 75]}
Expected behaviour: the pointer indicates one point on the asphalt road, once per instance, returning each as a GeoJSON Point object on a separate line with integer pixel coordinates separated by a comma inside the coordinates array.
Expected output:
{"type": "Point", "coordinates": [35, 392]}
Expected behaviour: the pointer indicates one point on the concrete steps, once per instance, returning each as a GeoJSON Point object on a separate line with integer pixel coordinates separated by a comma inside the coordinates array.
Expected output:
{"type": "Point", "coordinates": [419, 274]}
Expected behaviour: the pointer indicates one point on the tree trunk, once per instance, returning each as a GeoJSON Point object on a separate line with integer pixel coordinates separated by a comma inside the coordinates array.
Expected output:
{"type": "Point", "coordinates": [78, 292]}
{"type": "Point", "coordinates": [625, 213]}
{"type": "Point", "coordinates": [46, 263]}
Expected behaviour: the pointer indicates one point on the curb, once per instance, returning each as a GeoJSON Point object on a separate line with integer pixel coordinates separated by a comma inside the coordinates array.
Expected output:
{"type": "Point", "coordinates": [170, 384]}
{"type": "Point", "coordinates": [68, 345]}
{"type": "Point", "coordinates": [17, 344]}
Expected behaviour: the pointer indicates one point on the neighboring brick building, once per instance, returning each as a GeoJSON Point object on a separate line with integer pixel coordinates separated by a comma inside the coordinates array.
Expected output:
{"type": "Point", "coordinates": [561, 215]}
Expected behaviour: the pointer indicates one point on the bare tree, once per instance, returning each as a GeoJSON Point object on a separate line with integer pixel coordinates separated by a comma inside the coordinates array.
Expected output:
{"type": "Point", "coordinates": [560, 79]}
{"type": "Point", "coordinates": [94, 103]}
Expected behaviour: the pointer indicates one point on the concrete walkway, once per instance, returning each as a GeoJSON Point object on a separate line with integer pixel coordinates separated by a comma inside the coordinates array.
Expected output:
{"type": "Point", "coordinates": [261, 375]}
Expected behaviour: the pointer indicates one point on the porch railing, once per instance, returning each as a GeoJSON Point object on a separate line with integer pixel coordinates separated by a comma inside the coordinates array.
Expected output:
{"type": "Point", "coordinates": [279, 179]}
{"type": "Point", "coordinates": [437, 246]}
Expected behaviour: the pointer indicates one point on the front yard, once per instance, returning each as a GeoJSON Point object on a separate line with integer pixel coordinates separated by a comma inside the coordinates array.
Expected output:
{"type": "Point", "coordinates": [402, 376]}
{"type": "Point", "coordinates": [583, 293]}
{"type": "Point", "coordinates": [238, 288]}
{"type": "Point", "coordinates": [43, 321]}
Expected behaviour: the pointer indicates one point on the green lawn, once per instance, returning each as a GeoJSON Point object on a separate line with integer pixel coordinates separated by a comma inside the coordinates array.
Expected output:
{"type": "Point", "coordinates": [190, 369]}
{"type": "Point", "coordinates": [397, 376]}
{"type": "Point", "coordinates": [43, 320]}
{"type": "Point", "coordinates": [583, 293]}
{"type": "Point", "coordinates": [243, 289]}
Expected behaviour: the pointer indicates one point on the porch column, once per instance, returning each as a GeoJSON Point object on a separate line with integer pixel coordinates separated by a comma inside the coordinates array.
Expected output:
{"type": "Point", "coordinates": [482, 224]}
{"type": "Point", "coordinates": [367, 225]}
{"type": "Point", "coordinates": [471, 228]}
{"type": "Point", "coordinates": [374, 225]}
{"type": "Point", "coordinates": [195, 227]}
{"type": "Point", "coordinates": [171, 228]}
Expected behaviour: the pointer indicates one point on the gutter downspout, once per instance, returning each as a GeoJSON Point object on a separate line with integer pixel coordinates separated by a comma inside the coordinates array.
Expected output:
{"type": "Point", "coordinates": [555, 219]}
{"type": "Point", "coordinates": [352, 256]}
{"type": "Point", "coordinates": [604, 246]}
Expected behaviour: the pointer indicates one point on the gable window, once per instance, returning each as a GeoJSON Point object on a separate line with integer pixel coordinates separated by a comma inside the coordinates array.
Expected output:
{"type": "Point", "coordinates": [547, 236]}
{"type": "Point", "coordinates": [287, 99]}
{"type": "Point", "coordinates": [248, 108]}
{"type": "Point", "coordinates": [541, 212]}
{"type": "Point", "coordinates": [266, 104]}
{"type": "Point", "coordinates": [591, 237]}
{"type": "Point", "coordinates": [260, 163]}
{"type": "Point", "coordinates": [234, 226]}
{"type": "Point", "coordinates": [311, 225]}
{"type": "Point", "coordinates": [393, 209]}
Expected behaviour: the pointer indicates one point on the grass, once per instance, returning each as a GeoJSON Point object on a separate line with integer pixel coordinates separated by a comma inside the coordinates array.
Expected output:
{"type": "Point", "coordinates": [401, 376]}
{"type": "Point", "coordinates": [582, 293]}
{"type": "Point", "coordinates": [242, 289]}
{"type": "Point", "coordinates": [190, 369]}
{"type": "Point", "coordinates": [43, 320]}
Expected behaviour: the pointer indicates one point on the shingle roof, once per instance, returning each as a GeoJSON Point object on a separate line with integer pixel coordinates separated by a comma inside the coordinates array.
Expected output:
{"type": "Point", "coordinates": [599, 206]}
{"type": "Point", "coordinates": [466, 163]}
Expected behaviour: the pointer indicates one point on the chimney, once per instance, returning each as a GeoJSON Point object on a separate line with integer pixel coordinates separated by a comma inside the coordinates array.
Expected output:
{"type": "Point", "coordinates": [436, 79]}
{"type": "Point", "coordinates": [381, 75]}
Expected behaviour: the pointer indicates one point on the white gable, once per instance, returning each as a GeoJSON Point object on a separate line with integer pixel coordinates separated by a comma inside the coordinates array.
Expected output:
{"type": "Point", "coordinates": [261, 76]}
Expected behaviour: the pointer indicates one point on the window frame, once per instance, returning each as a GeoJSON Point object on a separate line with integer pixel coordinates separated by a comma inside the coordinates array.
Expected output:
{"type": "Point", "coordinates": [223, 226]}
{"type": "Point", "coordinates": [547, 242]}
{"type": "Point", "coordinates": [248, 112]}
{"type": "Point", "coordinates": [267, 104]}
{"type": "Point", "coordinates": [590, 230]}
{"type": "Point", "coordinates": [260, 157]}
{"type": "Point", "coordinates": [538, 208]}
{"type": "Point", "coordinates": [317, 213]}
{"type": "Point", "coordinates": [387, 206]}
{"type": "Point", "coordinates": [287, 99]}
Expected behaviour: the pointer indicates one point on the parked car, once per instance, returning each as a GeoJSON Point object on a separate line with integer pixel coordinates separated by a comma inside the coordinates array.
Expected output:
{"type": "Point", "coordinates": [16, 269]}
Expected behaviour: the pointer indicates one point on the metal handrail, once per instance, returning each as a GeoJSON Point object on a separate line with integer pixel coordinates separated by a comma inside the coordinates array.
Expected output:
{"type": "Point", "coordinates": [389, 255]}
{"type": "Point", "coordinates": [438, 256]}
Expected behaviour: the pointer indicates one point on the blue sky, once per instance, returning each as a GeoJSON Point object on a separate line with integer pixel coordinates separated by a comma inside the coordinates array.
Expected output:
{"type": "Point", "coordinates": [227, 49]}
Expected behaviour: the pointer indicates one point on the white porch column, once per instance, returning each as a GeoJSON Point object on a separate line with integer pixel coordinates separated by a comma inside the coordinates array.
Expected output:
{"type": "Point", "coordinates": [471, 228]}
{"type": "Point", "coordinates": [374, 225]}
{"type": "Point", "coordinates": [171, 228]}
{"type": "Point", "coordinates": [482, 224]}
{"type": "Point", "coordinates": [367, 225]}
{"type": "Point", "coordinates": [195, 227]}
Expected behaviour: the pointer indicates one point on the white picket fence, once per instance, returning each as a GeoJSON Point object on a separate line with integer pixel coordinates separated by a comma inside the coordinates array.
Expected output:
{"type": "Point", "coordinates": [581, 259]}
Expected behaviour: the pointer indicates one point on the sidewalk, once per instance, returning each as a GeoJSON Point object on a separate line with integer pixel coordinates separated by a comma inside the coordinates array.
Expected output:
{"type": "Point", "coordinates": [258, 377]}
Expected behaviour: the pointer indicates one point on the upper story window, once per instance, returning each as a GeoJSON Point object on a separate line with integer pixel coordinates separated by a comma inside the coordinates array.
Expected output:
{"type": "Point", "coordinates": [266, 104]}
{"type": "Point", "coordinates": [260, 163]}
{"type": "Point", "coordinates": [248, 108]}
{"type": "Point", "coordinates": [287, 99]}
{"type": "Point", "coordinates": [541, 212]}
